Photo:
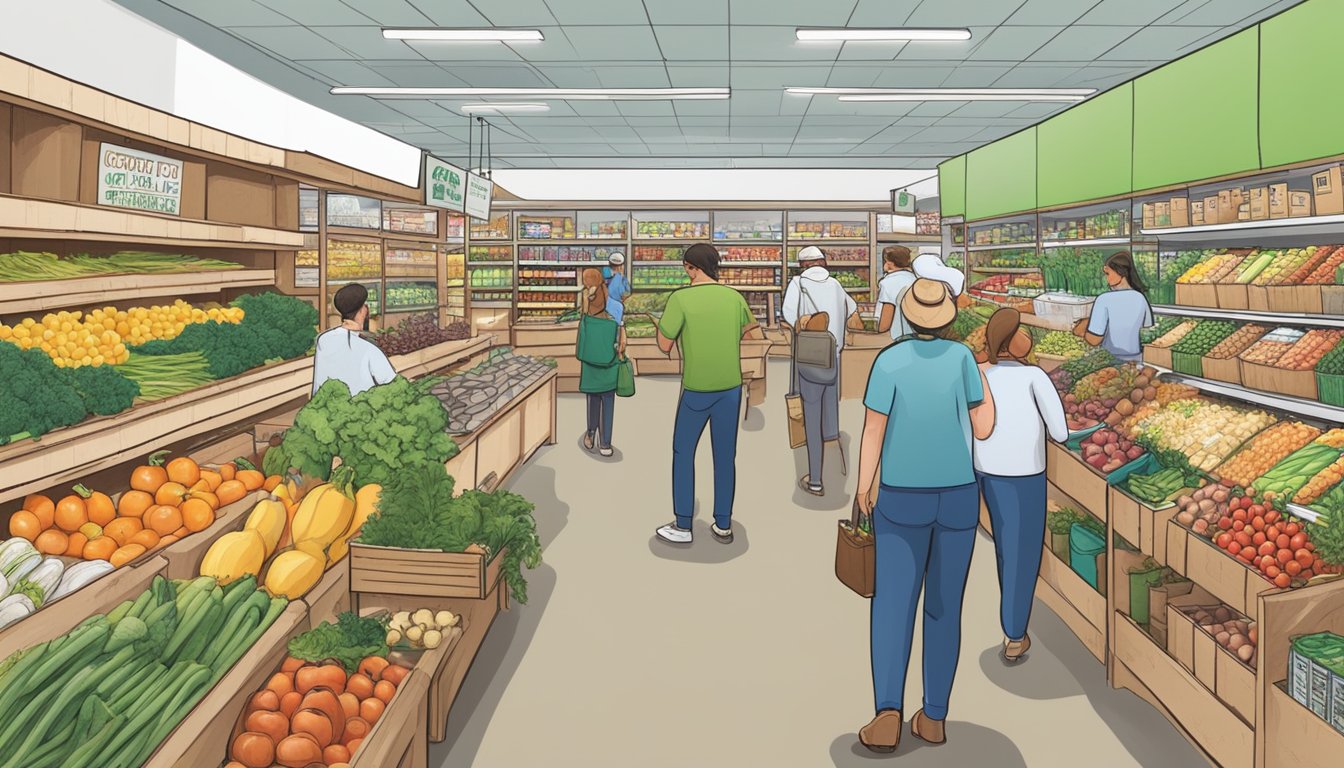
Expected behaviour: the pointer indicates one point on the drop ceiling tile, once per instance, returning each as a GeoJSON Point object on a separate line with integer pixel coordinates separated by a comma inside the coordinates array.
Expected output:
{"type": "Point", "coordinates": [1100, 78]}
{"type": "Point", "coordinates": [1226, 12]}
{"type": "Point", "coordinates": [762, 133]}
{"type": "Point", "coordinates": [645, 108]}
{"type": "Point", "coordinates": [719, 120]}
{"type": "Point", "coordinates": [605, 109]}
{"type": "Point", "coordinates": [589, 12]}
{"type": "Point", "coordinates": [503, 13]}
{"type": "Point", "coordinates": [367, 44]}
{"type": "Point", "coordinates": [693, 43]}
{"type": "Point", "coordinates": [614, 43]}
{"type": "Point", "coordinates": [1012, 43]}
{"type": "Point", "coordinates": [1162, 43]}
{"type": "Point", "coordinates": [778, 77]}
{"type": "Point", "coordinates": [908, 75]}
{"type": "Point", "coordinates": [849, 76]}
{"type": "Point", "coordinates": [618, 134]}
{"type": "Point", "coordinates": [1141, 12]}
{"type": "Point", "coordinates": [830, 13]}
{"type": "Point", "coordinates": [746, 101]}
{"type": "Point", "coordinates": [687, 11]}
{"type": "Point", "coordinates": [291, 42]}
{"type": "Point", "coordinates": [422, 75]}
{"type": "Point", "coordinates": [707, 108]}
{"type": "Point", "coordinates": [239, 13]}
{"type": "Point", "coordinates": [501, 76]}
{"type": "Point", "coordinates": [1037, 110]}
{"type": "Point", "coordinates": [639, 121]}
{"type": "Point", "coordinates": [1050, 12]}
{"type": "Point", "coordinates": [595, 148]}
{"type": "Point", "coordinates": [564, 133]}
{"type": "Point", "coordinates": [971, 76]}
{"type": "Point", "coordinates": [1079, 43]}
{"type": "Point", "coordinates": [870, 51]}
{"type": "Point", "coordinates": [631, 77]}
{"type": "Point", "coordinates": [873, 121]}
{"type": "Point", "coordinates": [345, 72]}
{"type": "Point", "coordinates": [777, 44]}
{"type": "Point", "coordinates": [943, 134]}
{"type": "Point", "coordinates": [936, 108]}
{"type": "Point", "coordinates": [983, 109]}
{"type": "Point", "coordinates": [555, 46]}
{"type": "Point", "coordinates": [460, 52]}
{"type": "Point", "coordinates": [882, 13]}
{"type": "Point", "coordinates": [317, 11]}
{"type": "Point", "coordinates": [389, 13]}
{"type": "Point", "coordinates": [926, 51]}
{"type": "Point", "coordinates": [1026, 76]}
{"type": "Point", "coordinates": [832, 134]}
{"type": "Point", "coordinates": [575, 76]}
{"type": "Point", "coordinates": [894, 133]}
{"type": "Point", "coordinates": [962, 13]}
{"type": "Point", "coordinates": [423, 108]}
{"type": "Point", "coordinates": [697, 76]}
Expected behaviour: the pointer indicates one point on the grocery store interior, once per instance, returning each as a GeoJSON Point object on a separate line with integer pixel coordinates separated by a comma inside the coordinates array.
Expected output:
{"type": "Point", "coordinates": [446, 383]}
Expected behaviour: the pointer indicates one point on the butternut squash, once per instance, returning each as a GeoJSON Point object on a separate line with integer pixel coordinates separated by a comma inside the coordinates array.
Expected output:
{"type": "Point", "coordinates": [234, 555]}
{"type": "Point", "coordinates": [293, 573]}
{"type": "Point", "coordinates": [268, 518]}
{"type": "Point", "coordinates": [323, 515]}
{"type": "Point", "coordinates": [366, 503]}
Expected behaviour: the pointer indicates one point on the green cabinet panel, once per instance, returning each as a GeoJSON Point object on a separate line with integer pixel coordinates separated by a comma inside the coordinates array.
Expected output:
{"type": "Point", "coordinates": [952, 186]}
{"type": "Point", "coordinates": [1087, 152]}
{"type": "Point", "coordinates": [1195, 118]}
{"type": "Point", "coordinates": [1001, 177]}
{"type": "Point", "coordinates": [1302, 84]}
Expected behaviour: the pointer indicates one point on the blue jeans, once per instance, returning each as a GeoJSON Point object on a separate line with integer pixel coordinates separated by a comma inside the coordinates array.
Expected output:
{"type": "Point", "coordinates": [1017, 512]}
{"type": "Point", "coordinates": [924, 537]}
{"type": "Point", "coordinates": [721, 411]}
{"type": "Point", "coordinates": [601, 411]}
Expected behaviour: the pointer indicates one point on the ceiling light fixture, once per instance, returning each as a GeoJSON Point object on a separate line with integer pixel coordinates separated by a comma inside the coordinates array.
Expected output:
{"type": "Point", "coordinates": [504, 107]}
{"type": "Point", "coordinates": [898, 34]}
{"type": "Point", "coordinates": [444, 34]}
{"type": "Point", "coordinates": [948, 94]}
{"type": "Point", "coordinates": [565, 94]}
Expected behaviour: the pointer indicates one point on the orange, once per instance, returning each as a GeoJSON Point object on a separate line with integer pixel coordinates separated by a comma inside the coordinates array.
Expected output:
{"type": "Point", "coordinates": [163, 519]}
{"type": "Point", "coordinates": [211, 478]}
{"type": "Point", "coordinates": [227, 471]}
{"type": "Point", "coordinates": [170, 493]}
{"type": "Point", "coordinates": [384, 691]}
{"type": "Point", "coordinates": [208, 497]}
{"type": "Point", "coordinates": [71, 513]}
{"type": "Point", "coordinates": [100, 508]}
{"type": "Point", "coordinates": [183, 470]}
{"type": "Point", "coordinates": [122, 529]}
{"type": "Point", "coordinates": [197, 515]}
{"type": "Point", "coordinates": [42, 507]}
{"type": "Point", "coordinates": [126, 554]}
{"type": "Point", "coordinates": [371, 710]}
{"type": "Point", "coordinates": [75, 546]}
{"type": "Point", "coordinates": [272, 483]}
{"type": "Point", "coordinates": [146, 538]}
{"type": "Point", "coordinates": [251, 479]}
{"type": "Point", "coordinates": [134, 504]}
{"type": "Point", "coordinates": [25, 524]}
{"type": "Point", "coordinates": [230, 491]}
{"type": "Point", "coordinates": [166, 540]}
{"type": "Point", "coordinates": [52, 542]}
{"type": "Point", "coordinates": [148, 478]}
{"type": "Point", "coordinates": [100, 548]}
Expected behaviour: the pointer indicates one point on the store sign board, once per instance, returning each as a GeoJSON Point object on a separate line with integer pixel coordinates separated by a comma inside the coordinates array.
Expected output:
{"type": "Point", "coordinates": [902, 202]}
{"type": "Point", "coordinates": [479, 192]}
{"type": "Point", "coordinates": [129, 178]}
{"type": "Point", "coordinates": [445, 184]}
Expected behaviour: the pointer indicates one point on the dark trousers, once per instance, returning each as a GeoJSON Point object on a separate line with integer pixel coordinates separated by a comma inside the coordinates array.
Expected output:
{"type": "Point", "coordinates": [1017, 512]}
{"type": "Point", "coordinates": [820, 390]}
{"type": "Point", "coordinates": [600, 412]}
{"type": "Point", "coordinates": [720, 410]}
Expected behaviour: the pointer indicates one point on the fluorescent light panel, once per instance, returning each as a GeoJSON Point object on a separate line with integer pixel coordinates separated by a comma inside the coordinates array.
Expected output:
{"type": "Point", "coordinates": [505, 107]}
{"type": "Point", "coordinates": [445, 34]}
{"type": "Point", "coordinates": [566, 94]}
{"type": "Point", "coordinates": [948, 94]}
{"type": "Point", "coordinates": [958, 97]}
{"type": "Point", "coordinates": [897, 34]}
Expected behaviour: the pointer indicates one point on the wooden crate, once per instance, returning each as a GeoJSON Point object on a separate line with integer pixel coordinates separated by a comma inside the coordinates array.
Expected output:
{"type": "Point", "coordinates": [1140, 524]}
{"type": "Point", "coordinates": [422, 572]}
{"type": "Point", "coordinates": [1233, 296]}
{"type": "Point", "coordinates": [1159, 356]}
{"type": "Point", "coordinates": [1227, 578]}
{"type": "Point", "coordinates": [1268, 378]}
{"type": "Point", "coordinates": [1292, 736]}
{"type": "Point", "coordinates": [1076, 478]}
{"type": "Point", "coordinates": [1197, 295]}
{"type": "Point", "coordinates": [436, 357]}
{"type": "Point", "coordinates": [399, 738]}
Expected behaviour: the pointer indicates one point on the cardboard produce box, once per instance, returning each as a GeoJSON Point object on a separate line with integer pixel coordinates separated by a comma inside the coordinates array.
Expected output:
{"type": "Point", "coordinates": [1197, 213]}
{"type": "Point", "coordinates": [1149, 216]}
{"type": "Point", "coordinates": [1235, 683]}
{"type": "Point", "coordinates": [1180, 212]}
{"type": "Point", "coordinates": [1224, 576]}
{"type": "Point", "coordinates": [1193, 295]}
{"type": "Point", "coordinates": [1328, 192]}
{"type": "Point", "coordinates": [1294, 298]}
{"type": "Point", "coordinates": [1233, 296]}
{"type": "Point", "coordinates": [1227, 209]}
{"type": "Point", "coordinates": [1299, 204]}
{"type": "Point", "coordinates": [1278, 201]}
{"type": "Point", "coordinates": [1244, 212]}
{"type": "Point", "coordinates": [1212, 210]}
{"type": "Point", "coordinates": [1159, 356]}
{"type": "Point", "coordinates": [1139, 524]}
{"type": "Point", "coordinates": [1181, 629]}
{"type": "Point", "coordinates": [1162, 214]}
{"type": "Point", "coordinates": [1259, 203]}
{"type": "Point", "coordinates": [1226, 369]}
{"type": "Point", "coordinates": [1268, 378]}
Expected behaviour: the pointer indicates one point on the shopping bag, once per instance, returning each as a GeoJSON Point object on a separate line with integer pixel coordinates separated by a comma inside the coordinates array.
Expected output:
{"type": "Point", "coordinates": [793, 404]}
{"type": "Point", "coordinates": [625, 378]}
{"type": "Point", "coordinates": [856, 553]}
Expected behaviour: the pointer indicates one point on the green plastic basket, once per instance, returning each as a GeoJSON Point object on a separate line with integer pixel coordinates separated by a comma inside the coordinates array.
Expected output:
{"type": "Point", "coordinates": [1188, 364]}
{"type": "Point", "coordinates": [1084, 546]}
{"type": "Point", "coordinates": [1330, 388]}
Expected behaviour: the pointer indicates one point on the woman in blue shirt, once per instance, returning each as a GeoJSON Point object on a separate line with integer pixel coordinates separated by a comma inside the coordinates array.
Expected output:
{"type": "Point", "coordinates": [926, 399]}
{"type": "Point", "coordinates": [1119, 315]}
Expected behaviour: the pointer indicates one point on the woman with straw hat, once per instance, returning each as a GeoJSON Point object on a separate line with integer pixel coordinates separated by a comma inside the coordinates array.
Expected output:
{"type": "Point", "coordinates": [926, 398]}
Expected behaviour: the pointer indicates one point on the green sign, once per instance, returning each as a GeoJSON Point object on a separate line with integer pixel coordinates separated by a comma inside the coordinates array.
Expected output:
{"type": "Point", "coordinates": [445, 185]}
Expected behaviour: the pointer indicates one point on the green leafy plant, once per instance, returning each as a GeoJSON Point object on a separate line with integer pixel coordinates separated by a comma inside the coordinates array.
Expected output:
{"type": "Point", "coordinates": [349, 640]}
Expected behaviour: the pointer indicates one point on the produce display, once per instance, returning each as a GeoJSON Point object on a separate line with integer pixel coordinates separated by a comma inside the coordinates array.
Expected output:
{"type": "Point", "coordinates": [1328, 532]}
{"type": "Point", "coordinates": [760, 276]}
{"type": "Point", "coordinates": [471, 398]}
{"type": "Point", "coordinates": [1215, 269]}
{"type": "Point", "coordinates": [1062, 344]}
{"type": "Point", "coordinates": [110, 690]}
{"type": "Point", "coordinates": [1309, 350]}
{"type": "Point", "coordinates": [1108, 224]}
{"type": "Point", "coordinates": [1272, 346]}
{"type": "Point", "coordinates": [1206, 335]}
{"type": "Point", "coordinates": [1263, 451]}
{"type": "Point", "coordinates": [820, 230]}
{"type": "Point", "coordinates": [1107, 451]}
{"type": "Point", "coordinates": [23, 266]}
{"type": "Point", "coordinates": [1075, 270]}
{"type": "Point", "coordinates": [410, 260]}
{"type": "Point", "coordinates": [1008, 285]}
{"type": "Point", "coordinates": [1289, 475]}
{"type": "Point", "coordinates": [496, 228]}
{"type": "Point", "coordinates": [851, 278]}
{"type": "Point", "coordinates": [1170, 268]}
{"type": "Point", "coordinates": [1229, 629]}
{"type": "Point", "coordinates": [1007, 233]}
{"type": "Point", "coordinates": [648, 303]}
{"type": "Point", "coordinates": [490, 253]}
{"type": "Point", "coordinates": [1240, 340]}
{"type": "Point", "coordinates": [409, 294]}
{"type": "Point", "coordinates": [1109, 395]}
{"type": "Point", "coordinates": [1174, 335]}
{"type": "Point", "coordinates": [602, 230]}
{"type": "Point", "coordinates": [1315, 675]}
{"type": "Point", "coordinates": [660, 277]}
{"type": "Point", "coordinates": [422, 629]}
{"type": "Point", "coordinates": [273, 327]}
{"type": "Point", "coordinates": [29, 581]}
{"type": "Point", "coordinates": [419, 511]}
{"type": "Point", "coordinates": [672, 253]}
{"type": "Point", "coordinates": [104, 336]}
{"type": "Point", "coordinates": [770, 228]}
{"type": "Point", "coordinates": [567, 253]}
{"type": "Point", "coordinates": [1201, 510]}
{"type": "Point", "coordinates": [1251, 267]}
{"type": "Point", "coordinates": [350, 259]}
{"type": "Point", "coordinates": [1325, 273]}
{"type": "Point", "coordinates": [545, 228]}
{"type": "Point", "coordinates": [672, 230]}
{"type": "Point", "coordinates": [417, 332]}
{"type": "Point", "coordinates": [1161, 326]}
{"type": "Point", "coordinates": [1012, 258]}
{"type": "Point", "coordinates": [492, 277]}
{"type": "Point", "coordinates": [1287, 263]}
{"type": "Point", "coordinates": [1077, 369]}
{"type": "Point", "coordinates": [967, 320]}
{"type": "Point", "coordinates": [1263, 538]}
{"type": "Point", "coordinates": [1204, 432]}
{"type": "Point", "coordinates": [1157, 487]}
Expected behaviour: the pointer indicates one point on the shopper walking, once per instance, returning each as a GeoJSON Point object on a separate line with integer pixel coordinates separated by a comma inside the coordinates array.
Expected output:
{"type": "Point", "coordinates": [600, 345]}
{"type": "Point", "coordinates": [1010, 466]}
{"type": "Point", "coordinates": [341, 353]}
{"type": "Point", "coordinates": [814, 296]}
{"type": "Point", "coordinates": [708, 320]}
{"type": "Point", "coordinates": [925, 400]}
{"type": "Point", "coordinates": [897, 276]}
{"type": "Point", "coordinates": [618, 287]}
{"type": "Point", "coordinates": [1119, 314]}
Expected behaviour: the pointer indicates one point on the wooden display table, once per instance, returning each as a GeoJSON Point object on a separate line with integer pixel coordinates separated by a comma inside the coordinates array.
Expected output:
{"type": "Point", "coordinates": [856, 361]}
{"type": "Point", "coordinates": [555, 340]}
{"type": "Point", "coordinates": [488, 456]}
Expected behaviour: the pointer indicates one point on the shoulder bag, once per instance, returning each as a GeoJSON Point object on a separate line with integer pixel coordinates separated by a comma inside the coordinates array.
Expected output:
{"type": "Point", "coordinates": [597, 341]}
{"type": "Point", "coordinates": [812, 348]}
{"type": "Point", "coordinates": [856, 553]}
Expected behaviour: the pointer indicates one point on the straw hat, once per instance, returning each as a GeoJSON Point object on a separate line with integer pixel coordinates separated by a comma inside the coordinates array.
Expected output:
{"type": "Point", "coordinates": [928, 304]}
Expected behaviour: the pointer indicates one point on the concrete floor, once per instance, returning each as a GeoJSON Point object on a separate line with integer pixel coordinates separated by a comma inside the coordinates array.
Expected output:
{"type": "Point", "coordinates": [630, 652]}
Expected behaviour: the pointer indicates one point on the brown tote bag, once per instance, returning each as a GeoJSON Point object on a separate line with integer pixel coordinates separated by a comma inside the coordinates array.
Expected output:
{"type": "Point", "coordinates": [856, 553]}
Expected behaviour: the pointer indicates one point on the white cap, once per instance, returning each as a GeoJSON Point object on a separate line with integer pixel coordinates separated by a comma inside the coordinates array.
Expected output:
{"type": "Point", "coordinates": [810, 253]}
{"type": "Point", "coordinates": [616, 258]}
{"type": "Point", "coordinates": [931, 266]}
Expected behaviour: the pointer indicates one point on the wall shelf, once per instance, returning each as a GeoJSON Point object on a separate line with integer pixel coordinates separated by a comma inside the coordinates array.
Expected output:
{"type": "Point", "coordinates": [42, 219]}
{"type": "Point", "coordinates": [1305, 225]}
{"type": "Point", "coordinates": [1001, 247]}
{"type": "Point", "coordinates": [1309, 408]}
{"type": "Point", "coordinates": [1093, 243]}
{"type": "Point", "coordinates": [1273, 318]}
{"type": "Point", "coordinates": [101, 290]}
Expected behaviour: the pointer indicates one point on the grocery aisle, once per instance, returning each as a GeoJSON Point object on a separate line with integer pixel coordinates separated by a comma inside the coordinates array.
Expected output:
{"type": "Point", "coordinates": [633, 653]}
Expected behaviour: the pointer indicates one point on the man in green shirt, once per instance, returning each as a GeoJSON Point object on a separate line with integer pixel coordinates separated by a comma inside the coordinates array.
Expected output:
{"type": "Point", "coordinates": [709, 320]}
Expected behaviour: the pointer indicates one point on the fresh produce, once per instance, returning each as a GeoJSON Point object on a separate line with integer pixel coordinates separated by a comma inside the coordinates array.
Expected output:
{"type": "Point", "coordinates": [418, 511]}
{"type": "Point", "coordinates": [104, 336]}
{"type": "Point", "coordinates": [160, 376]}
{"type": "Point", "coordinates": [1332, 363]}
{"type": "Point", "coordinates": [1238, 342]}
{"type": "Point", "coordinates": [1074, 270]}
{"type": "Point", "coordinates": [1087, 364]}
{"type": "Point", "coordinates": [414, 333]}
{"type": "Point", "coordinates": [1263, 538]}
{"type": "Point", "coordinates": [1263, 451]}
{"type": "Point", "coordinates": [419, 629]}
{"type": "Point", "coordinates": [1108, 451]}
{"type": "Point", "coordinates": [348, 640]}
{"type": "Point", "coordinates": [25, 573]}
{"type": "Point", "coordinates": [1321, 482]}
{"type": "Point", "coordinates": [1229, 629]}
{"type": "Point", "coordinates": [1062, 344]}
{"type": "Point", "coordinates": [1163, 290]}
{"type": "Point", "coordinates": [1204, 432]}
{"type": "Point", "coordinates": [1292, 473]}
{"type": "Point", "coordinates": [635, 328]}
{"type": "Point", "coordinates": [1214, 269]}
{"type": "Point", "coordinates": [1170, 338]}
{"type": "Point", "coordinates": [272, 327]}
{"type": "Point", "coordinates": [109, 691]}
{"type": "Point", "coordinates": [965, 322]}
{"type": "Point", "coordinates": [1307, 268]}
{"type": "Point", "coordinates": [652, 303]}
{"type": "Point", "coordinates": [471, 398]}
{"type": "Point", "coordinates": [1162, 324]}
{"type": "Point", "coordinates": [1060, 519]}
{"type": "Point", "coordinates": [1253, 265]}
{"type": "Point", "coordinates": [1156, 487]}
{"type": "Point", "coordinates": [1283, 264]}
{"type": "Point", "coordinates": [1324, 274]}
{"type": "Point", "coordinates": [1269, 349]}
{"type": "Point", "coordinates": [1328, 532]}
{"type": "Point", "coordinates": [1309, 350]}
{"type": "Point", "coordinates": [22, 266]}
{"type": "Point", "coordinates": [1206, 335]}
{"type": "Point", "coordinates": [38, 397]}
{"type": "Point", "coordinates": [411, 295]}
{"type": "Point", "coordinates": [1202, 509]}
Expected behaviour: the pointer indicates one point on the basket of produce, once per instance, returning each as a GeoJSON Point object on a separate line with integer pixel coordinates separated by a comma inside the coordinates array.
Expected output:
{"type": "Point", "coordinates": [1259, 454]}
{"type": "Point", "coordinates": [1087, 551]}
{"type": "Point", "coordinates": [1221, 363]}
{"type": "Point", "coordinates": [1187, 354]}
{"type": "Point", "coordinates": [1284, 361]}
{"type": "Point", "coordinates": [1158, 489]}
{"type": "Point", "coordinates": [1204, 432]}
{"type": "Point", "coordinates": [1058, 347]}
{"type": "Point", "coordinates": [1330, 377]}
{"type": "Point", "coordinates": [1106, 451]}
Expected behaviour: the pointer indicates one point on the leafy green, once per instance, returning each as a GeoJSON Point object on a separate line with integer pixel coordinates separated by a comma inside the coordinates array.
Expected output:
{"type": "Point", "coordinates": [1333, 362]}
{"type": "Point", "coordinates": [274, 327]}
{"type": "Point", "coordinates": [36, 397]}
{"type": "Point", "coordinates": [103, 389]}
{"type": "Point", "coordinates": [350, 640]}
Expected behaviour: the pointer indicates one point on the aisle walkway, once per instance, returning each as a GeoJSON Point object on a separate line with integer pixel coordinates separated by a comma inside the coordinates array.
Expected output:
{"type": "Point", "coordinates": [631, 653]}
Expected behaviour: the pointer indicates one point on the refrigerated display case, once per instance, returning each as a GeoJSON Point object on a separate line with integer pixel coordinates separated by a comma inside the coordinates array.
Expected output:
{"type": "Point", "coordinates": [602, 225]}
{"type": "Point", "coordinates": [544, 226]}
{"type": "Point", "coordinates": [354, 212]}
{"type": "Point", "coordinates": [412, 221]}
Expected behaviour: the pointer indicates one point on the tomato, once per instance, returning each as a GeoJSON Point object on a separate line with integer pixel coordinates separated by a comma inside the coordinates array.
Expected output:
{"type": "Point", "coordinates": [1248, 554]}
{"type": "Point", "coordinates": [1283, 581]}
{"type": "Point", "coordinates": [1224, 522]}
{"type": "Point", "coordinates": [1257, 510]}
{"type": "Point", "coordinates": [1283, 542]}
{"type": "Point", "coordinates": [1298, 541]}
{"type": "Point", "coordinates": [1224, 539]}
{"type": "Point", "coordinates": [1305, 559]}
{"type": "Point", "coordinates": [1306, 574]}
{"type": "Point", "coordinates": [1272, 532]}
{"type": "Point", "coordinates": [1265, 561]}
{"type": "Point", "coordinates": [1292, 528]}
{"type": "Point", "coordinates": [1284, 556]}
{"type": "Point", "coordinates": [1238, 525]}
{"type": "Point", "coordinates": [1272, 571]}
{"type": "Point", "coordinates": [1292, 568]}
{"type": "Point", "coordinates": [1234, 548]}
{"type": "Point", "coordinates": [1272, 516]}
{"type": "Point", "coordinates": [1243, 538]}
{"type": "Point", "coordinates": [1259, 538]}
{"type": "Point", "coordinates": [1309, 546]}
{"type": "Point", "coordinates": [1239, 515]}
{"type": "Point", "coordinates": [1267, 548]}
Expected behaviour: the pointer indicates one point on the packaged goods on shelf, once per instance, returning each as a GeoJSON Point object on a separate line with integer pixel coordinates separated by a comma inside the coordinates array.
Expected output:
{"type": "Point", "coordinates": [1269, 349]}
{"type": "Point", "coordinates": [1013, 258]}
{"type": "Point", "coordinates": [1316, 675]}
{"type": "Point", "coordinates": [667, 253]}
{"type": "Point", "coordinates": [492, 277]}
{"type": "Point", "coordinates": [456, 227]}
{"type": "Point", "coordinates": [659, 276]}
{"type": "Point", "coordinates": [350, 259]}
{"type": "Point", "coordinates": [835, 254]}
{"type": "Point", "coordinates": [543, 296]}
{"type": "Point", "coordinates": [672, 230]}
{"type": "Point", "coordinates": [401, 295]}
{"type": "Point", "coordinates": [1019, 286]}
{"type": "Point", "coordinates": [731, 253]}
{"type": "Point", "coordinates": [761, 276]}
{"type": "Point", "coordinates": [353, 212]}
{"type": "Point", "coordinates": [546, 228]}
{"type": "Point", "coordinates": [1023, 233]}
{"type": "Point", "coordinates": [496, 228]}
{"type": "Point", "coordinates": [1109, 224]}
{"type": "Point", "coordinates": [567, 253]}
{"type": "Point", "coordinates": [603, 230]}
{"type": "Point", "coordinates": [490, 253]}
{"type": "Point", "coordinates": [819, 230]}
{"type": "Point", "coordinates": [411, 220]}
{"type": "Point", "coordinates": [760, 229]}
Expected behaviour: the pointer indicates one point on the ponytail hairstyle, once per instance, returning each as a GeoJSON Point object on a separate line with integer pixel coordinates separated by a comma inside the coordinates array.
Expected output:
{"type": "Point", "coordinates": [703, 257]}
{"type": "Point", "coordinates": [1123, 264]}
{"type": "Point", "coordinates": [999, 333]}
{"type": "Point", "coordinates": [593, 300]}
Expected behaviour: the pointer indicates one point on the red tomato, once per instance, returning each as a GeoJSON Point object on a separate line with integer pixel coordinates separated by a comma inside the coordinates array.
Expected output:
{"type": "Point", "coordinates": [1225, 522]}
{"type": "Point", "coordinates": [1272, 516]}
{"type": "Point", "coordinates": [1239, 515]}
{"type": "Point", "coordinates": [1248, 554]}
{"type": "Point", "coordinates": [1258, 523]}
{"type": "Point", "coordinates": [1283, 542]}
{"type": "Point", "coordinates": [1271, 532]}
{"type": "Point", "coordinates": [1310, 547]}
{"type": "Point", "coordinates": [1256, 510]}
{"type": "Point", "coordinates": [1238, 525]}
{"type": "Point", "coordinates": [1292, 528]}
{"type": "Point", "coordinates": [1224, 539]}
{"type": "Point", "coordinates": [1243, 538]}
{"type": "Point", "coordinates": [1306, 574]}
{"type": "Point", "coordinates": [1234, 548]}
{"type": "Point", "coordinates": [1298, 541]}
{"type": "Point", "coordinates": [1259, 538]}
{"type": "Point", "coordinates": [1265, 561]}
{"type": "Point", "coordinates": [1305, 559]}
{"type": "Point", "coordinates": [1283, 581]}
{"type": "Point", "coordinates": [1272, 571]}
{"type": "Point", "coordinates": [1266, 548]}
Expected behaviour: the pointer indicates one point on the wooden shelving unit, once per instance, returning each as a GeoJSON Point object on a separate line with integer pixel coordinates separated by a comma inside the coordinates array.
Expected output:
{"type": "Point", "coordinates": [42, 295]}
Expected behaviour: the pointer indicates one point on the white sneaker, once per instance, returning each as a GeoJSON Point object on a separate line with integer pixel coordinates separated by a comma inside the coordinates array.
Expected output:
{"type": "Point", "coordinates": [724, 536]}
{"type": "Point", "coordinates": [606, 452]}
{"type": "Point", "coordinates": [672, 534]}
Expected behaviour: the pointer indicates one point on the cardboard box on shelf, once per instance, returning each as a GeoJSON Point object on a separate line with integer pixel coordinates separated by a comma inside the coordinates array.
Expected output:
{"type": "Point", "coordinates": [1181, 629]}
{"type": "Point", "coordinates": [1180, 212]}
{"type": "Point", "coordinates": [1233, 296]}
{"type": "Point", "coordinates": [1328, 192]}
{"type": "Point", "coordinates": [1227, 210]}
{"type": "Point", "coordinates": [1077, 479]}
{"type": "Point", "coordinates": [1226, 369]}
{"type": "Point", "coordinates": [1197, 213]}
{"type": "Point", "coordinates": [1159, 356]}
{"type": "Point", "coordinates": [1294, 298]}
{"type": "Point", "coordinates": [1268, 378]}
{"type": "Point", "coordinates": [1191, 295]}
{"type": "Point", "coordinates": [1149, 216]}
{"type": "Point", "coordinates": [1278, 201]}
{"type": "Point", "coordinates": [1299, 204]}
{"type": "Point", "coordinates": [1212, 212]}
{"type": "Point", "coordinates": [1162, 213]}
{"type": "Point", "coordinates": [1244, 212]}
{"type": "Point", "coordinates": [1259, 203]}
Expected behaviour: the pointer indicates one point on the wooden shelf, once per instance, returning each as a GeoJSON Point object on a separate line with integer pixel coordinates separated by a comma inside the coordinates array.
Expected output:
{"type": "Point", "coordinates": [1007, 270]}
{"type": "Point", "coordinates": [1248, 316]}
{"type": "Point", "coordinates": [1303, 225]}
{"type": "Point", "coordinates": [490, 263]}
{"type": "Point", "coordinates": [745, 241]}
{"type": "Point", "coordinates": [594, 241]}
{"type": "Point", "coordinates": [1092, 243]}
{"type": "Point", "coordinates": [1311, 409]}
{"type": "Point", "coordinates": [439, 356]}
{"type": "Point", "coordinates": [1076, 603]}
{"type": "Point", "coordinates": [42, 295]}
{"type": "Point", "coordinates": [1001, 247]}
{"type": "Point", "coordinates": [33, 219]}
{"type": "Point", "coordinates": [1297, 736]}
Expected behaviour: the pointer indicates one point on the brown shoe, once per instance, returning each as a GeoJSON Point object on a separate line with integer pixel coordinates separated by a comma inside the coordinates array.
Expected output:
{"type": "Point", "coordinates": [1015, 650]}
{"type": "Point", "coordinates": [883, 734]}
{"type": "Point", "coordinates": [927, 728]}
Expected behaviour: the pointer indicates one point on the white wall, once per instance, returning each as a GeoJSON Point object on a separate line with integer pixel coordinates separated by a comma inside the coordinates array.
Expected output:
{"type": "Point", "coordinates": [715, 184]}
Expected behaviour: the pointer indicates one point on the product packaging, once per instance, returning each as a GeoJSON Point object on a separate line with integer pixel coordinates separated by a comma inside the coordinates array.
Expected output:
{"type": "Point", "coordinates": [1329, 192]}
{"type": "Point", "coordinates": [1212, 211]}
{"type": "Point", "coordinates": [1197, 213]}
{"type": "Point", "coordinates": [1162, 214]}
{"type": "Point", "coordinates": [1259, 203]}
{"type": "Point", "coordinates": [1149, 215]}
{"type": "Point", "coordinates": [1180, 212]}
{"type": "Point", "coordinates": [1278, 201]}
{"type": "Point", "coordinates": [1299, 204]}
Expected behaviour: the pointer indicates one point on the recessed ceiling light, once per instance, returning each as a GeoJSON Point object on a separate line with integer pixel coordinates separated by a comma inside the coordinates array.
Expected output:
{"type": "Point", "coordinates": [445, 34]}
{"type": "Point", "coordinates": [851, 34]}
{"type": "Point", "coordinates": [504, 107]}
{"type": "Point", "coordinates": [566, 94]}
{"type": "Point", "coordinates": [949, 94]}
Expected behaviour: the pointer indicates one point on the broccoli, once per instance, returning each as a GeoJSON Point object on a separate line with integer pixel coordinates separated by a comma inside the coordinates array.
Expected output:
{"type": "Point", "coordinates": [103, 389]}
{"type": "Point", "coordinates": [274, 327]}
{"type": "Point", "coordinates": [37, 398]}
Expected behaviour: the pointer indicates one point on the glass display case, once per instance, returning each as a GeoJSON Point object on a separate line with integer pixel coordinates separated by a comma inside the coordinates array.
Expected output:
{"type": "Point", "coordinates": [497, 228]}
{"type": "Point", "coordinates": [545, 226]}
{"type": "Point", "coordinates": [590, 255]}
{"type": "Point", "coordinates": [308, 210]}
{"type": "Point", "coordinates": [828, 225]}
{"type": "Point", "coordinates": [602, 225]}
{"type": "Point", "coordinates": [765, 226]}
{"type": "Point", "coordinates": [415, 221]}
{"type": "Point", "coordinates": [406, 294]}
{"type": "Point", "coordinates": [671, 225]}
{"type": "Point", "coordinates": [411, 260]}
{"type": "Point", "coordinates": [490, 254]}
{"type": "Point", "coordinates": [354, 212]}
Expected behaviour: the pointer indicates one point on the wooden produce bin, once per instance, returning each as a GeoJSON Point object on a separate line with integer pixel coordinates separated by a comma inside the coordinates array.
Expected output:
{"type": "Point", "coordinates": [856, 361]}
{"type": "Point", "coordinates": [422, 572]}
{"type": "Point", "coordinates": [1076, 478]}
{"type": "Point", "coordinates": [1292, 736]}
{"type": "Point", "coordinates": [1189, 295]}
{"type": "Point", "coordinates": [399, 738]}
{"type": "Point", "coordinates": [1296, 298]}
{"type": "Point", "coordinates": [331, 596]}
{"type": "Point", "coordinates": [1140, 524]}
{"type": "Point", "coordinates": [423, 362]}
{"type": "Point", "coordinates": [1080, 606]}
{"type": "Point", "coordinates": [556, 340]}
{"type": "Point", "coordinates": [1159, 356]}
{"type": "Point", "coordinates": [1224, 576]}
{"type": "Point", "coordinates": [1268, 378]}
{"type": "Point", "coordinates": [1233, 296]}
{"type": "Point", "coordinates": [508, 439]}
{"type": "Point", "coordinates": [1226, 369]}
{"type": "Point", "coordinates": [755, 364]}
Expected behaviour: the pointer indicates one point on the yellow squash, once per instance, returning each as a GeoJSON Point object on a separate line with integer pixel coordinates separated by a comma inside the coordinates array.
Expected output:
{"type": "Point", "coordinates": [323, 515]}
{"type": "Point", "coordinates": [366, 503]}
{"type": "Point", "coordinates": [234, 555]}
{"type": "Point", "coordinates": [268, 518]}
{"type": "Point", "coordinates": [293, 573]}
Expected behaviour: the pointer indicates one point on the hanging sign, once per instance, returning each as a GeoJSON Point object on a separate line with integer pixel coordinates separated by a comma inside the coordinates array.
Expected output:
{"type": "Point", "coordinates": [129, 178]}
{"type": "Point", "coordinates": [902, 202]}
{"type": "Point", "coordinates": [479, 192]}
{"type": "Point", "coordinates": [445, 184]}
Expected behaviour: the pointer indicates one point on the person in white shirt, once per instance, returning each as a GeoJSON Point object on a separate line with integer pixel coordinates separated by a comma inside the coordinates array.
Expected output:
{"type": "Point", "coordinates": [343, 354]}
{"type": "Point", "coordinates": [810, 294]}
{"type": "Point", "coordinates": [928, 264]}
{"type": "Point", "coordinates": [1010, 467]}
{"type": "Point", "coordinates": [898, 276]}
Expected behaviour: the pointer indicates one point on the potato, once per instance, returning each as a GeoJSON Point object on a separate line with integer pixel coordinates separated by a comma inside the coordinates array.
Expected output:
{"type": "Point", "coordinates": [1184, 501]}
{"type": "Point", "coordinates": [1223, 613]}
{"type": "Point", "coordinates": [1137, 395]}
{"type": "Point", "coordinates": [1185, 518]}
{"type": "Point", "coordinates": [1141, 382]}
{"type": "Point", "coordinates": [1222, 637]}
{"type": "Point", "coordinates": [1207, 505]}
{"type": "Point", "coordinates": [1236, 641]}
{"type": "Point", "coordinates": [1247, 654]}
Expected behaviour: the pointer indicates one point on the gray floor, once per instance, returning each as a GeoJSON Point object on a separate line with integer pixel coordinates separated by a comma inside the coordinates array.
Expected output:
{"type": "Point", "coordinates": [632, 653]}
